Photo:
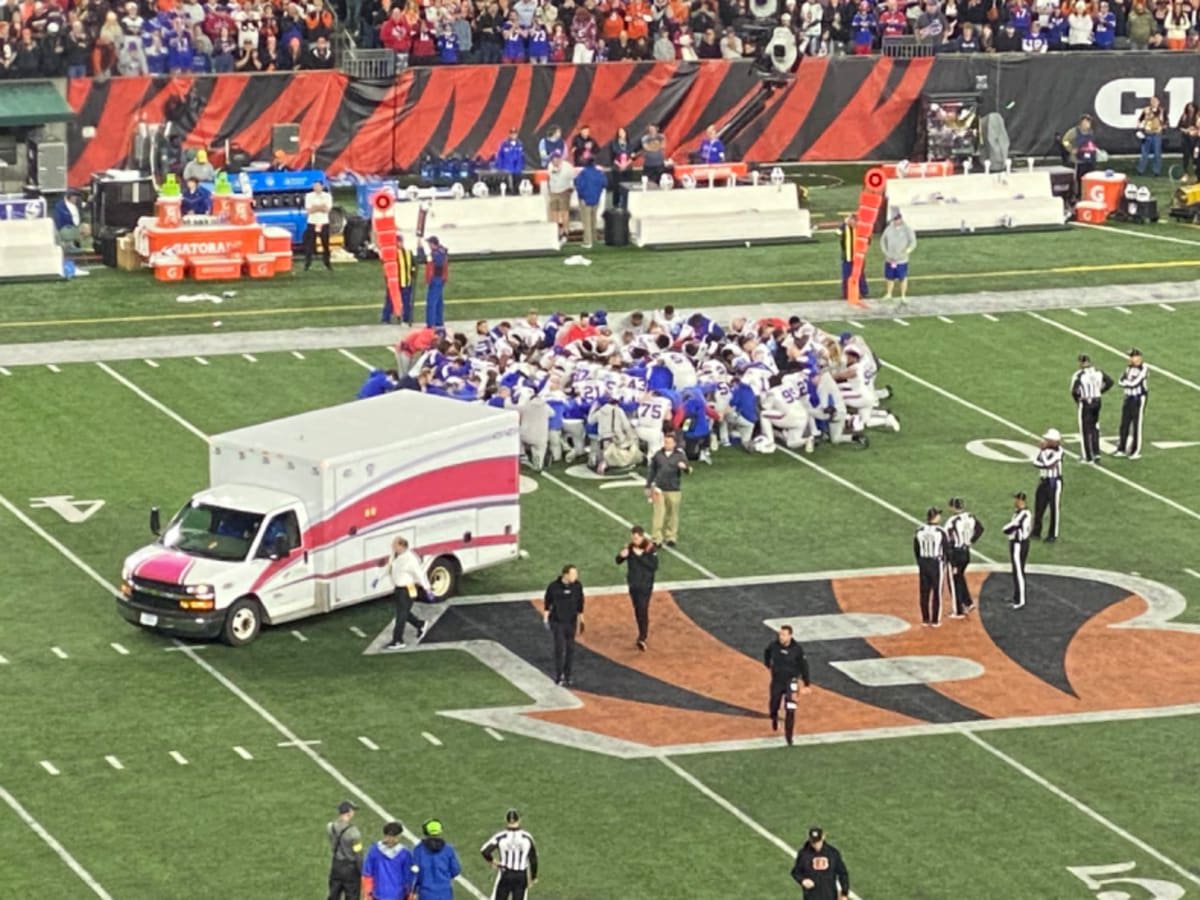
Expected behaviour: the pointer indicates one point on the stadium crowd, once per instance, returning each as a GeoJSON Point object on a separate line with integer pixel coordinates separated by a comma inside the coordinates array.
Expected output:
{"type": "Point", "coordinates": [100, 38]}
{"type": "Point", "coordinates": [607, 393]}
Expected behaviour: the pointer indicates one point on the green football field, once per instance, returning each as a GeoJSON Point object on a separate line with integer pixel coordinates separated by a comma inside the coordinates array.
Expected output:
{"type": "Point", "coordinates": [1060, 762]}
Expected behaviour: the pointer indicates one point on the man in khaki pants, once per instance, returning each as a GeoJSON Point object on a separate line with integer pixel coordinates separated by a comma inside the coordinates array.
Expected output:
{"type": "Point", "coordinates": [662, 488]}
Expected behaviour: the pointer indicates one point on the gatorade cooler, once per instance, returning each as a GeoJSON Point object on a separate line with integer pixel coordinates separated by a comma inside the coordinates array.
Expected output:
{"type": "Point", "coordinates": [169, 211]}
{"type": "Point", "coordinates": [260, 265]}
{"type": "Point", "coordinates": [1091, 212]}
{"type": "Point", "coordinates": [168, 268]}
{"type": "Point", "coordinates": [1103, 187]}
{"type": "Point", "coordinates": [236, 209]}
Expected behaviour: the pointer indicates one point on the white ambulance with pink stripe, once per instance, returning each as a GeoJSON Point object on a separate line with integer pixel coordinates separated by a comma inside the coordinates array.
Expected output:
{"type": "Point", "coordinates": [301, 510]}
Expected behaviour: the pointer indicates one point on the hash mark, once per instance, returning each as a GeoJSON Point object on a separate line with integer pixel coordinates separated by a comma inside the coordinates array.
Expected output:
{"type": "Point", "coordinates": [53, 368]}
{"type": "Point", "coordinates": [151, 363]}
{"type": "Point", "coordinates": [300, 637]}
{"type": "Point", "coordinates": [431, 738]}
{"type": "Point", "coordinates": [358, 632]}
{"type": "Point", "coordinates": [948, 321]}
{"type": "Point", "coordinates": [368, 743]}
{"type": "Point", "coordinates": [49, 767]}
{"type": "Point", "coordinates": [297, 354]}
{"type": "Point", "coordinates": [990, 317]}
{"type": "Point", "coordinates": [1122, 309]}
{"type": "Point", "coordinates": [59, 652]}
{"type": "Point", "coordinates": [900, 322]}
{"type": "Point", "coordinates": [1079, 312]}
{"type": "Point", "coordinates": [201, 360]}
{"type": "Point", "coordinates": [494, 733]}
{"type": "Point", "coordinates": [114, 762]}
{"type": "Point", "coordinates": [1167, 306]}
{"type": "Point", "coordinates": [3, 661]}
{"type": "Point", "coordinates": [243, 752]}
{"type": "Point", "coordinates": [4, 371]}
{"type": "Point", "coordinates": [119, 648]}
{"type": "Point", "coordinates": [1193, 573]}
{"type": "Point", "coordinates": [179, 757]}
{"type": "Point", "coordinates": [249, 357]}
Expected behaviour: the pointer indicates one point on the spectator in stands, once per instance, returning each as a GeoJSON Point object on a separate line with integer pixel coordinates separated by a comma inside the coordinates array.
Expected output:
{"type": "Point", "coordinates": [1141, 27]}
{"type": "Point", "coordinates": [447, 41]}
{"type": "Point", "coordinates": [589, 186]}
{"type": "Point", "coordinates": [525, 10]}
{"type": "Point", "coordinates": [560, 180]}
{"type": "Point", "coordinates": [78, 44]}
{"type": "Point", "coordinates": [1176, 25]}
{"type": "Point", "coordinates": [156, 55]}
{"type": "Point", "coordinates": [199, 169]}
{"type": "Point", "coordinates": [510, 158]}
{"type": "Point", "coordinates": [320, 56]}
{"type": "Point", "coordinates": [731, 45]}
{"type": "Point", "coordinates": [461, 25]}
{"type": "Point", "coordinates": [620, 165]}
{"type": "Point", "coordinates": [68, 222]}
{"type": "Point", "coordinates": [1189, 133]}
{"type": "Point", "coordinates": [514, 40]}
{"type": "Point", "coordinates": [712, 148]}
{"type": "Point", "coordinates": [247, 58]}
{"type": "Point", "coordinates": [1080, 27]}
{"type": "Point", "coordinates": [223, 50]}
{"type": "Point", "coordinates": [1152, 121]}
{"type": "Point", "coordinates": [664, 47]}
{"type": "Point", "coordinates": [424, 47]}
{"type": "Point", "coordinates": [131, 59]}
{"type": "Point", "coordinates": [487, 34]}
{"type": "Point", "coordinates": [966, 42]}
{"type": "Point", "coordinates": [583, 146]}
{"type": "Point", "coordinates": [1080, 146]}
{"type": "Point", "coordinates": [1006, 40]}
{"type": "Point", "coordinates": [560, 44]}
{"type": "Point", "coordinates": [654, 158]}
{"type": "Point", "coordinates": [1105, 27]}
{"type": "Point", "coordinates": [709, 48]}
{"type": "Point", "coordinates": [291, 57]}
{"type": "Point", "coordinates": [195, 200]}
{"type": "Point", "coordinates": [395, 36]}
{"type": "Point", "coordinates": [583, 34]}
{"type": "Point", "coordinates": [892, 20]}
{"type": "Point", "coordinates": [549, 145]}
{"type": "Point", "coordinates": [1036, 41]}
{"type": "Point", "coordinates": [931, 25]}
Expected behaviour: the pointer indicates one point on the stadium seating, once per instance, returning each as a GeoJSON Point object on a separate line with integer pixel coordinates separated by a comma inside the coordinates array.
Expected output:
{"type": "Point", "coordinates": [976, 202]}
{"type": "Point", "coordinates": [476, 226]}
{"type": "Point", "coordinates": [28, 250]}
{"type": "Point", "coordinates": [717, 215]}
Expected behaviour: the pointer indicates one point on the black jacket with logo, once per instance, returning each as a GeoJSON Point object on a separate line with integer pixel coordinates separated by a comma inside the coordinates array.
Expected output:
{"type": "Point", "coordinates": [639, 570]}
{"type": "Point", "coordinates": [564, 601]}
{"type": "Point", "coordinates": [786, 663]}
{"type": "Point", "coordinates": [825, 869]}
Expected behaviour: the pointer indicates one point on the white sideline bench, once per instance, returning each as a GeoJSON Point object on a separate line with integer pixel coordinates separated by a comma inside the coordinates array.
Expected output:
{"type": "Point", "coordinates": [977, 201]}
{"type": "Point", "coordinates": [27, 249]}
{"type": "Point", "coordinates": [481, 225]}
{"type": "Point", "coordinates": [717, 215]}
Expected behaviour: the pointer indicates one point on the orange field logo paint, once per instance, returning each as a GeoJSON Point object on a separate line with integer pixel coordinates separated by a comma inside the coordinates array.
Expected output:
{"type": "Point", "coordinates": [1088, 646]}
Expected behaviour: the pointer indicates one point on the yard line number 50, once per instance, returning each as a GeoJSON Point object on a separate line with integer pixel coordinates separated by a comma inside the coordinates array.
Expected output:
{"type": "Point", "coordinates": [1099, 878]}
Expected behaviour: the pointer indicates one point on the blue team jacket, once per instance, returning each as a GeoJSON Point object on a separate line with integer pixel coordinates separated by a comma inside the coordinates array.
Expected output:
{"type": "Point", "coordinates": [437, 866]}
{"type": "Point", "coordinates": [391, 869]}
{"type": "Point", "coordinates": [590, 184]}
{"type": "Point", "coordinates": [511, 157]}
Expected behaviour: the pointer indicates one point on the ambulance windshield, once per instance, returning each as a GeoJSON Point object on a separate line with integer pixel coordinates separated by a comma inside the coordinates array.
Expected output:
{"type": "Point", "coordinates": [213, 532]}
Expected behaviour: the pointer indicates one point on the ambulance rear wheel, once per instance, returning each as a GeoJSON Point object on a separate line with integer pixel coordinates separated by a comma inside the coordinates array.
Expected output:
{"type": "Point", "coordinates": [243, 622]}
{"type": "Point", "coordinates": [443, 577]}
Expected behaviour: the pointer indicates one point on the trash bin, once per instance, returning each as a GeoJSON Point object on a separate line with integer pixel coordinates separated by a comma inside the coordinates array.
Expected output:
{"type": "Point", "coordinates": [616, 227]}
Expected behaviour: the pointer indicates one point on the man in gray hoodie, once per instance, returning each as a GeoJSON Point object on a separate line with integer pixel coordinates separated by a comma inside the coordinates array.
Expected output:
{"type": "Point", "coordinates": [897, 242]}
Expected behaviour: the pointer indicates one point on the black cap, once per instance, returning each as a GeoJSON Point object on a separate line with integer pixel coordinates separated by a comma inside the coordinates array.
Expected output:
{"type": "Point", "coordinates": [955, 503]}
{"type": "Point", "coordinates": [512, 817]}
{"type": "Point", "coordinates": [1084, 358]}
{"type": "Point", "coordinates": [1134, 351]}
{"type": "Point", "coordinates": [931, 513]}
{"type": "Point", "coordinates": [346, 806]}
{"type": "Point", "coordinates": [815, 833]}
{"type": "Point", "coordinates": [1019, 495]}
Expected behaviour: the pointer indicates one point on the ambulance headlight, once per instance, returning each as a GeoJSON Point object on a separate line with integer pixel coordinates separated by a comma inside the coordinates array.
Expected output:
{"type": "Point", "coordinates": [199, 590]}
{"type": "Point", "coordinates": [126, 572]}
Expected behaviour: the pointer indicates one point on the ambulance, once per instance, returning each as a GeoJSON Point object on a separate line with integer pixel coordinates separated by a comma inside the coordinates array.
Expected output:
{"type": "Point", "coordinates": [301, 513]}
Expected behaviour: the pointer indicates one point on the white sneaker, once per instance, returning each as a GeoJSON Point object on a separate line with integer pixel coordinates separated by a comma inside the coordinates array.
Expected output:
{"type": "Point", "coordinates": [893, 423]}
{"type": "Point", "coordinates": [394, 645]}
{"type": "Point", "coordinates": [1118, 453]}
{"type": "Point", "coordinates": [706, 457]}
{"type": "Point", "coordinates": [808, 445]}
{"type": "Point", "coordinates": [1137, 455]}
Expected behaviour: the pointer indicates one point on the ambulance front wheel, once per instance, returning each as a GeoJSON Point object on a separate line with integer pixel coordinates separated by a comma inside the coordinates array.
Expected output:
{"type": "Point", "coordinates": [443, 577]}
{"type": "Point", "coordinates": [243, 622]}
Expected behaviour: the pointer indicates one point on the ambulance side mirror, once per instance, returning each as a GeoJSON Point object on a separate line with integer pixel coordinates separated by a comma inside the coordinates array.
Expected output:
{"type": "Point", "coordinates": [155, 521]}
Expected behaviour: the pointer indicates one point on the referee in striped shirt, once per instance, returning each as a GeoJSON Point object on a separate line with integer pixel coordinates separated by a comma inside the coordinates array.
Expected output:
{"type": "Point", "coordinates": [930, 546]}
{"type": "Point", "coordinates": [1133, 382]}
{"type": "Point", "coordinates": [1017, 530]}
{"type": "Point", "coordinates": [963, 530]}
{"type": "Point", "coordinates": [513, 855]}
{"type": "Point", "coordinates": [1050, 485]}
{"type": "Point", "coordinates": [1087, 384]}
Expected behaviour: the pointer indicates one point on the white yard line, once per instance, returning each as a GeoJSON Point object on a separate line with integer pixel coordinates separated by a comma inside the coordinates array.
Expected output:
{"type": "Point", "coordinates": [59, 652]}
{"type": "Point", "coordinates": [743, 817]}
{"type": "Point", "coordinates": [201, 360]}
{"type": "Point", "coordinates": [1108, 473]}
{"type": "Point", "coordinates": [946, 319]}
{"type": "Point", "coordinates": [368, 743]}
{"type": "Point", "coordinates": [1083, 808]}
{"type": "Point", "coordinates": [114, 762]}
{"type": "Point", "coordinates": [297, 354]}
{"type": "Point", "coordinates": [1137, 234]}
{"type": "Point", "coordinates": [1079, 312]}
{"type": "Point", "coordinates": [120, 648]}
{"type": "Point", "coordinates": [900, 322]}
{"type": "Point", "coordinates": [52, 842]}
{"type": "Point", "coordinates": [432, 738]}
{"type": "Point", "coordinates": [600, 507]}
{"type": "Point", "coordinates": [178, 757]}
{"type": "Point", "coordinates": [49, 767]}
{"type": "Point", "coordinates": [53, 368]}
{"type": "Point", "coordinates": [299, 635]}
{"type": "Point", "coordinates": [1122, 309]}
{"type": "Point", "coordinates": [1154, 370]}
{"type": "Point", "coordinates": [250, 357]}
{"type": "Point", "coordinates": [990, 317]}
{"type": "Point", "coordinates": [161, 407]}
{"type": "Point", "coordinates": [243, 752]}
{"type": "Point", "coordinates": [151, 363]}
{"type": "Point", "coordinates": [357, 359]}
{"type": "Point", "coordinates": [1167, 306]}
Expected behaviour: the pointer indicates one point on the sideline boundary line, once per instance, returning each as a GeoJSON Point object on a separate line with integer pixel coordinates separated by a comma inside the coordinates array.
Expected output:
{"type": "Point", "coordinates": [1157, 370]}
{"type": "Point", "coordinates": [589, 295]}
{"type": "Point", "coordinates": [161, 407]}
{"type": "Point", "coordinates": [230, 685]}
{"type": "Point", "coordinates": [1129, 232]}
{"type": "Point", "coordinates": [52, 842]}
{"type": "Point", "coordinates": [734, 811]}
{"type": "Point", "coordinates": [995, 417]}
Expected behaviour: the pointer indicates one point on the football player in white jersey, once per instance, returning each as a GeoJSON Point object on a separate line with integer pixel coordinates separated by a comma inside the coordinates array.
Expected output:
{"type": "Point", "coordinates": [785, 409]}
{"type": "Point", "coordinates": [653, 416]}
{"type": "Point", "coordinates": [856, 382]}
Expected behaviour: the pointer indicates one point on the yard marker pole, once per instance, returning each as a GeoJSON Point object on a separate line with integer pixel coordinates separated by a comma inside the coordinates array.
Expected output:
{"type": "Point", "coordinates": [59, 850]}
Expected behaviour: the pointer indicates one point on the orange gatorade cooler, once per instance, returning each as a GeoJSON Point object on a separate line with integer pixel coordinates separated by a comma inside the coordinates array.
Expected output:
{"type": "Point", "coordinates": [169, 211]}
{"type": "Point", "coordinates": [1092, 213]}
{"type": "Point", "coordinates": [1103, 187]}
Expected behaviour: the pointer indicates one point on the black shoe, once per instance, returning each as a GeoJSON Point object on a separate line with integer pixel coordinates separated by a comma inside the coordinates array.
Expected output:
{"type": "Point", "coordinates": [1051, 539]}
{"type": "Point", "coordinates": [774, 723]}
{"type": "Point", "coordinates": [641, 645]}
{"type": "Point", "coordinates": [790, 743]}
{"type": "Point", "coordinates": [421, 630]}
{"type": "Point", "coordinates": [307, 266]}
{"type": "Point", "coordinates": [670, 543]}
{"type": "Point", "coordinates": [568, 681]}
{"type": "Point", "coordinates": [328, 267]}
{"type": "Point", "coordinates": [558, 679]}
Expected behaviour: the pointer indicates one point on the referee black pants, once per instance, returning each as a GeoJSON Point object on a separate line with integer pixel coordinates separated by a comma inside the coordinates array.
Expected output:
{"type": "Point", "coordinates": [510, 885]}
{"type": "Point", "coordinates": [1130, 440]}
{"type": "Point", "coordinates": [1047, 500]}
{"type": "Point", "coordinates": [1018, 553]}
{"type": "Point", "coordinates": [931, 572]}
{"type": "Point", "coordinates": [1089, 429]}
{"type": "Point", "coordinates": [564, 648]}
{"type": "Point", "coordinates": [960, 558]}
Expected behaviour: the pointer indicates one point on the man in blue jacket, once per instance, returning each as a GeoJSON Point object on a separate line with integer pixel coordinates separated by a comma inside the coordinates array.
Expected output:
{"type": "Point", "coordinates": [379, 381]}
{"type": "Point", "coordinates": [387, 870]}
{"type": "Point", "coordinates": [589, 186]}
{"type": "Point", "coordinates": [510, 158]}
{"type": "Point", "coordinates": [435, 864]}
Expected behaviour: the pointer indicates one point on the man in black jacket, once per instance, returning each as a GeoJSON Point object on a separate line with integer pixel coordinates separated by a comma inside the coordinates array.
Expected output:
{"type": "Point", "coordinates": [819, 869]}
{"type": "Point", "coordinates": [640, 558]}
{"type": "Point", "coordinates": [785, 658]}
{"type": "Point", "coordinates": [662, 489]}
{"type": "Point", "coordinates": [564, 610]}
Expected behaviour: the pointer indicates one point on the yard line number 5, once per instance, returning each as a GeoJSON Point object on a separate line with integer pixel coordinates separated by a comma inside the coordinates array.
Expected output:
{"type": "Point", "coordinates": [1099, 878]}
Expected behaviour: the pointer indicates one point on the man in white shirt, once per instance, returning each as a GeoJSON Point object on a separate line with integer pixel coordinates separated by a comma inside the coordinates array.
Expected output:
{"type": "Point", "coordinates": [405, 573]}
{"type": "Point", "coordinates": [318, 203]}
